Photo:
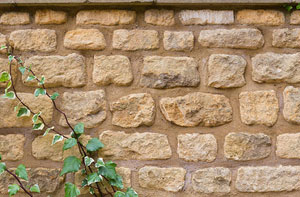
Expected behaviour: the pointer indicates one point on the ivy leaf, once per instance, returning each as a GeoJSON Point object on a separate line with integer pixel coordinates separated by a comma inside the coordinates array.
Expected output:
{"type": "Point", "coordinates": [23, 111]}
{"type": "Point", "coordinates": [13, 189]}
{"type": "Point", "coordinates": [22, 69]}
{"type": "Point", "coordinates": [94, 144]}
{"type": "Point", "coordinates": [38, 126]}
{"type": "Point", "coordinates": [298, 7]}
{"type": "Point", "coordinates": [108, 170]}
{"type": "Point", "coordinates": [99, 163]}
{"type": "Point", "coordinates": [39, 91]}
{"type": "Point", "coordinates": [57, 138]}
{"type": "Point", "coordinates": [11, 58]}
{"type": "Point", "coordinates": [21, 172]}
{"type": "Point", "coordinates": [71, 190]}
{"type": "Point", "coordinates": [69, 143]}
{"type": "Point", "coordinates": [35, 117]}
{"type": "Point", "coordinates": [30, 78]}
{"type": "Point", "coordinates": [42, 81]}
{"type": "Point", "coordinates": [5, 76]}
{"type": "Point", "coordinates": [93, 178]}
{"type": "Point", "coordinates": [9, 95]}
{"type": "Point", "coordinates": [47, 131]}
{"type": "Point", "coordinates": [88, 161]}
{"type": "Point", "coordinates": [3, 47]}
{"type": "Point", "coordinates": [71, 164]}
{"type": "Point", "coordinates": [79, 128]}
{"type": "Point", "coordinates": [35, 188]}
{"type": "Point", "coordinates": [130, 193]}
{"type": "Point", "coordinates": [117, 182]}
{"type": "Point", "coordinates": [92, 190]}
{"type": "Point", "coordinates": [0, 157]}
{"type": "Point", "coordinates": [2, 167]}
{"type": "Point", "coordinates": [119, 194]}
{"type": "Point", "coordinates": [84, 183]}
{"type": "Point", "coordinates": [54, 96]}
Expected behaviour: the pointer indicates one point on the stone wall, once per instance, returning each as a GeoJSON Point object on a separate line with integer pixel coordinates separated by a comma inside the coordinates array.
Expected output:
{"type": "Point", "coordinates": [189, 101]}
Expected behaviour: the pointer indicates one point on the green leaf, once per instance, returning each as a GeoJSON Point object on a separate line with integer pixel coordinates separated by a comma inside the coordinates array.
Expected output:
{"type": "Point", "coordinates": [298, 7]}
{"type": "Point", "coordinates": [13, 189]}
{"type": "Point", "coordinates": [39, 91]}
{"type": "Point", "coordinates": [84, 183]}
{"type": "Point", "coordinates": [108, 170]}
{"type": "Point", "coordinates": [130, 193]}
{"type": "Point", "coordinates": [47, 131]}
{"type": "Point", "coordinates": [57, 138]}
{"type": "Point", "coordinates": [35, 188]}
{"type": "Point", "coordinates": [288, 7]}
{"type": "Point", "coordinates": [54, 96]}
{"type": "Point", "coordinates": [30, 78]}
{"type": "Point", "coordinates": [99, 163]}
{"type": "Point", "coordinates": [88, 161]}
{"type": "Point", "coordinates": [11, 58]}
{"type": "Point", "coordinates": [93, 178]}
{"type": "Point", "coordinates": [38, 126]}
{"type": "Point", "coordinates": [21, 172]}
{"type": "Point", "coordinates": [69, 143]}
{"type": "Point", "coordinates": [2, 167]}
{"type": "Point", "coordinates": [71, 190]}
{"type": "Point", "coordinates": [71, 164]}
{"type": "Point", "coordinates": [91, 190]}
{"type": "Point", "coordinates": [42, 81]}
{"type": "Point", "coordinates": [94, 144]}
{"type": "Point", "coordinates": [5, 76]}
{"type": "Point", "coordinates": [0, 157]}
{"type": "Point", "coordinates": [9, 95]}
{"type": "Point", "coordinates": [23, 111]}
{"type": "Point", "coordinates": [79, 128]}
{"type": "Point", "coordinates": [117, 182]}
{"type": "Point", "coordinates": [3, 47]}
{"type": "Point", "coordinates": [22, 69]}
{"type": "Point", "coordinates": [119, 194]}
{"type": "Point", "coordinates": [35, 117]}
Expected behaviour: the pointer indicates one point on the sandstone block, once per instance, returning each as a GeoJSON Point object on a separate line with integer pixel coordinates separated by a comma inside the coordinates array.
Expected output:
{"type": "Point", "coordinates": [12, 147]}
{"type": "Point", "coordinates": [204, 17]}
{"type": "Point", "coordinates": [4, 67]}
{"type": "Point", "coordinates": [15, 18]}
{"type": "Point", "coordinates": [259, 107]}
{"type": "Point", "coordinates": [260, 17]}
{"type": "Point", "coordinates": [160, 17]}
{"type": "Point", "coordinates": [286, 38]}
{"type": "Point", "coordinates": [231, 38]}
{"type": "Point", "coordinates": [135, 146]}
{"type": "Point", "coordinates": [287, 146]}
{"type": "Point", "coordinates": [50, 17]}
{"type": "Point", "coordinates": [178, 41]}
{"type": "Point", "coordinates": [3, 42]}
{"type": "Point", "coordinates": [295, 18]}
{"type": "Point", "coordinates": [133, 110]}
{"type": "Point", "coordinates": [197, 108]}
{"type": "Point", "coordinates": [169, 179]}
{"type": "Point", "coordinates": [291, 100]}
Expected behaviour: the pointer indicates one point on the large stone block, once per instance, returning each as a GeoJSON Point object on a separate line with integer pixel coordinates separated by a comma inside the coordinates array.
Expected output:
{"type": "Point", "coordinates": [287, 146]}
{"type": "Point", "coordinates": [286, 38]}
{"type": "Point", "coordinates": [260, 17]}
{"type": "Point", "coordinates": [15, 18]}
{"type": "Point", "coordinates": [204, 17]}
{"type": "Point", "coordinates": [178, 40]}
{"type": "Point", "coordinates": [160, 17]}
{"type": "Point", "coordinates": [12, 147]}
{"type": "Point", "coordinates": [291, 100]}
{"type": "Point", "coordinates": [49, 17]}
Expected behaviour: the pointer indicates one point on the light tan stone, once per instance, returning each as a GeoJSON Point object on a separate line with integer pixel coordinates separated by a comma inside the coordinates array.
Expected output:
{"type": "Point", "coordinates": [169, 72]}
{"type": "Point", "coordinates": [197, 147]}
{"type": "Point", "coordinates": [114, 69]}
{"type": "Point", "coordinates": [49, 17]}
{"type": "Point", "coordinates": [43, 40]}
{"type": "Point", "coordinates": [286, 38]}
{"type": "Point", "coordinates": [246, 146]}
{"type": "Point", "coordinates": [3, 42]}
{"type": "Point", "coordinates": [138, 146]}
{"type": "Point", "coordinates": [259, 107]}
{"type": "Point", "coordinates": [291, 100]}
{"type": "Point", "coordinates": [15, 18]}
{"type": "Point", "coordinates": [37, 104]}
{"type": "Point", "coordinates": [84, 39]}
{"type": "Point", "coordinates": [105, 17]}
{"type": "Point", "coordinates": [4, 67]}
{"type": "Point", "coordinates": [66, 71]}
{"type": "Point", "coordinates": [197, 109]}
{"type": "Point", "coordinates": [133, 110]}
{"type": "Point", "coordinates": [132, 40]}
{"type": "Point", "coordinates": [178, 40]}
{"type": "Point", "coordinates": [260, 17]}
{"type": "Point", "coordinates": [169, 179]}
{"type": "Point", "coordinates": [295, 17]}
{"type": "Point", "coordinates": [204, 17]}
{"type": "Point", "coordinates": [12, 147]}
{"type": "Point", "coordinates": [287, 146]}
{"type": "Point", "coordinates": [212, 180]}
{"type": "Point", "coordinates": [160, 17]}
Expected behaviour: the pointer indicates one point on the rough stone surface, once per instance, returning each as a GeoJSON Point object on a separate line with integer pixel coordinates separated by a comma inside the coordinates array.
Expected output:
{"type": "Point", "coordinates": [295, 17]}
{"type": "Point", "coordinates": [169, 72]}
{"type": "Point", "coordinates": [132, 40]}
{"type": "Point", "coordinates": [291, 100]}
{"type": "Point", "coordinates": [105, 17]}
{"type": "Point", "coordinates": [231, 38]}
{"type": "Point", "coordinates": [43, 40]}
{"type": "Point", "coordinates": [197, 108]}
{"type": "Point", "coordinates": [287, 146]}
{"type": "Point", "coordinates": [203, 17]}
{"type": "Point", "coordinates": [160, 17]}
{"type": "Point", "coordinates": [49, 17]}
{"type": "Point", "coordinates": [178, 40]}
{"type": "Point", "coordinates": [12, 147]}
{"type": "Point", "coordinates": [37, 104]}
{"type": "Point", "coordinates": [69, 71]}
{"type": "Point", "coordinates": [84, 39]}
{"type": "Point", "coordinates": [3, 41]}
{"type": "Point", "coordinates": [268, 179]}
{"type": "Point", "coordinates": [259, 107]}
{"type": "Point", "coordinates": [137, 146]}
{"type": "Point", "coordinates": [286, 38]}
{"type": "Point", "coordinates": [260, 17]}
{"type": "Point", "coordinates": [246, 146]}
{"type": "Point", "coordinates": [226, 71]}
{"type": "Point", "coordinates": [86, 107]}
{"type": "Point", "coordinates": [15, 18]}
{"type": "Point", "coordinates": [114, 69]}
{"type": "Point", "coordinates": [212, 180]}
{"type": "Point", "coordinates": [169, 179]}
{"type": "Point", "coordinates": [197, 147]}
{"type": "Point", "coordinates": [4, 67]}
{"type": "Point", "coordinates": [133, 110]}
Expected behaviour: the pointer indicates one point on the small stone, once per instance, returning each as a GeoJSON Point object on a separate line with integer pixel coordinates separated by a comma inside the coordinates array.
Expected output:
{"type": "Point", "coordinates": [287, 146]}
{"type": "Point", "coordinates": [169, 179]}
{"type": "Point", "coordinates": [197, 147]}
{"type": "Point", "coordinates": [204, 17]}
{"type": "Point", "coordinates": [4, 67]}
{"type": "Point", "coordinates": [12, 147]}
{"type": "Point", "coordinates": [212, 180]}
{"type": "Point", "coordinates": [245, 146]}
{"type": "Point", "coordinates": [49, 17]}
{"type": "Point", "coordinates": [286, 38]}
{"type": "Point", "coordinates": [84, 39]}
{"type": "Point", "coordinates": [295, 18]}
{"type": "Point", "coordinates": [259, 107]}
{"type": "Point", "coordinates": [260, 17]}
{"type": "Point", "coordinates": [15, 18]}
{"type": "Point", "coordinates": [197, 109]}
{"type": "Point", "coordinates": [291, 100]}
{"type": "Point", "coordinates": [3, 42]}
{"type": "Point", "coordinates": [178, 41]}
{"type": "Point", "coordinates": [160, 17]}
{"type": "Point", "coordinates": [133, 110]}
{"type": "Point", "coordinates": [114, 69]}
{"type": "Point", "coordinates": [135, 146]}
{"type": "Point", "coordinates": [226, 71]}
{"type": "Point", "coordinates": [169, 72]}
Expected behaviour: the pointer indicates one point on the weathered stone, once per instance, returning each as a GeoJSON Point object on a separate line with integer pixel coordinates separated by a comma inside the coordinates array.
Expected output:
{"type": "Point", "coordinates": [226, 71]}
{"type": "Point", "coordinates": [86, 107]}
{"type": "Point", "coordinates": [169, 72]}
{"type": "Point", "coordinates": [178, 41]}
{"type": "Point", "coordinates": [138, 146]}
{"type": "Point", "coordinates": [286, 38]}
{"type": "Point", "coordinates": [43, 40]}
{"type": "Point", "coordinates": [66, 71]}
{"type": "Point", "coordinates": [3, 42]}
{"type": "Point", "coordinates": [37, 104]}
{"type": "Point", "coordinates": [197, 108]}
{"type": "Point", "coordinates": [4, 67]}
{"type": "Point", "coordinates": [12, 147]}
{"type": "Point", "coordinates": [212, 180]}
{"type": "Point", "coordinates": [84, 39]}
{"type": "Point", "coordinates": [132, 40]}
{"type": "Point", "coordinates": [203, 17]}
{"type": "Point", "coordinates": [268, 179]}
{"type": "Point", "coordinates": [169, 179]}
{"type": "Point", "coordinates": [245, 146]}
{"type": "Point", "coordinates": [105, 17]}
{"type": "Point", "coordinates": [295, 17]}
{"type": "Point", "coordinates": [133, 110]}
{"type": "Point", "coordinates": [15, 18]}
{"type": "Point", "coordinates": [259, 107]}
{"type": "Point", "coordinates": [260, 17]}
{"type": "Point", "coordinates": [287, 146]}
{"type": "Point", "coordinates": [276, 68]}
{"type": "Point", "coordinates": [114, 69]}
{"type": "Point", "coordinates": [48, 17]}
{"type": "Point", "coordinates": [197, 147]}
{"type": "Point", "coordinates": [291, 100]}
{"type": "Point", "coordinates": [160, 17]}
{"type": "Point", "coordinates": [231, 38]}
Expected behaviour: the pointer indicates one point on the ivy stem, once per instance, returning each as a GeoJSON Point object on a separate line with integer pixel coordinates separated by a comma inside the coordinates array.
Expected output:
{"type": "Point", "coordinates": [19, 181]}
